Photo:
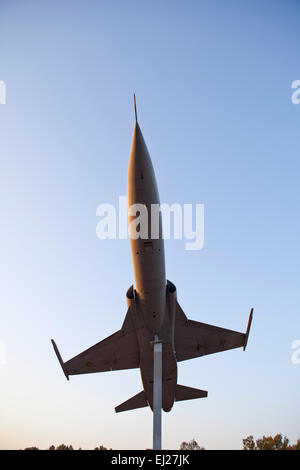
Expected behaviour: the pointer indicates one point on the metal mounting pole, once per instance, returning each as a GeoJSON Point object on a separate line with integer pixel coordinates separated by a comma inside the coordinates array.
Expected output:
{"type": "Point", "coordinates": [157, 393]}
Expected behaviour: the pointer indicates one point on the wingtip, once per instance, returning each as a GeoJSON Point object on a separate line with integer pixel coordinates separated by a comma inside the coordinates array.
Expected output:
{"type": "Point", "coordinates": [56, 350]}
{"type": "Point", "coordinates": [248, 328]}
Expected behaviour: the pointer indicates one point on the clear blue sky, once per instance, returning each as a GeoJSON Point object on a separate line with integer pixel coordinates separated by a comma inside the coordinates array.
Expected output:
{"type": "Point", "coordinates": [213, 85]}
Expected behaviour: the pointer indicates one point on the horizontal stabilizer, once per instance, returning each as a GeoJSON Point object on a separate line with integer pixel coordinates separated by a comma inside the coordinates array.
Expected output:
{"type": "Point", "coordinates": [138, 401]}
{"type": "Point", "coordinates": [188, 393]}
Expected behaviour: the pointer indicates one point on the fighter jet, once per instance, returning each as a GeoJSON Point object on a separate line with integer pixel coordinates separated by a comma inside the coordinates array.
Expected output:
{"type": "Point", "coordinates": [153, 310]}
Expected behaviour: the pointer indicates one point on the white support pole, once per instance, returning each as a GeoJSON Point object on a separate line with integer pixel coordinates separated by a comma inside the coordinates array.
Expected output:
{"type": "Point", "coordinates": [157, 393]}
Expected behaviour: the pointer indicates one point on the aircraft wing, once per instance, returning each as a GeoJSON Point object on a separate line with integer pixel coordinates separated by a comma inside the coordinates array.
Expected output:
{"type": "Point", "coordinates": [116, 352]}
{"type": "Point", "coordinates": [195, 339]}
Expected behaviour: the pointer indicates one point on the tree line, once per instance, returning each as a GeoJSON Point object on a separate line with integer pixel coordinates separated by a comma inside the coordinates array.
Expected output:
{"type": "Point", "coordinates": [264, 443]}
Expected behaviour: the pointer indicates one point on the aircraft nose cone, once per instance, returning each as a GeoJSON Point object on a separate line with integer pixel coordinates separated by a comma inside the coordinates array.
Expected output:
{"type": "Point", "coordinates": [139, 155]}
{"type": "Point", "coordinates": [141, 181]}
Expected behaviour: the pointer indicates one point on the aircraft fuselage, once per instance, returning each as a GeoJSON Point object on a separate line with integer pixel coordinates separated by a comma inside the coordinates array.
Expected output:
{"type": "Point", "coordinates": [151, 290]}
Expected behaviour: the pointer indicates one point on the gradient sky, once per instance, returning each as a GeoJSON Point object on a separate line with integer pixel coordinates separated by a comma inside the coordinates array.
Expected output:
{"type": "Point", "coordinates": [213, 84]}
